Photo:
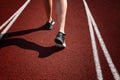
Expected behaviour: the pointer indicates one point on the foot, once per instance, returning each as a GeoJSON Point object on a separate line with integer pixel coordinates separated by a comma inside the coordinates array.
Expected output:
{"type": "Point", "coordinates": [49, 25]}
{"type": "Point", "coordinates": [60, 39]}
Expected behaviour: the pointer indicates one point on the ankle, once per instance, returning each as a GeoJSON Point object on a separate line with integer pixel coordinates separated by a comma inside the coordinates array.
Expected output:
{"type": "Point", "coordinates": [50, 20]}
{"type": "Point", "coordinates": [62, 31]}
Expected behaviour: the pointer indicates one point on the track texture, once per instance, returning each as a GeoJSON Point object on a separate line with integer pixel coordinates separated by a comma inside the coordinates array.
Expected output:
{"type": "Point", "coordinates": [28, 51]}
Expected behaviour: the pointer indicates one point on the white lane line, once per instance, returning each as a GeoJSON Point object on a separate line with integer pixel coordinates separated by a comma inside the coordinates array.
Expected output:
{"type": "Point", "coordinates": [7, 21]}
{"type": "Point", "coordinates": [12, 19]}
{"type": "Point", "coordinates": [95, 51]}
{"type": "Point", "coordinates": [103, 46]}
{"type": "Point", "coordinates": [105, 51]}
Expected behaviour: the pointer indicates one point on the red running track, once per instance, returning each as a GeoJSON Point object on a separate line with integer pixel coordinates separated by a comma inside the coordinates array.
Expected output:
{"type": "Point", "coordinates": [28, 52]}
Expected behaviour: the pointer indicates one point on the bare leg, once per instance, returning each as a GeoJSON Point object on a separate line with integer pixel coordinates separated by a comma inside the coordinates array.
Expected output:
{"type": "Point", "coordinates": [48, 5]}
{"type": "Point", "coordinates": [62, 10]}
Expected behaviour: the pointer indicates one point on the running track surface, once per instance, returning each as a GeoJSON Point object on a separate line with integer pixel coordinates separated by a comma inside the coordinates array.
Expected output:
{"type": "Point", "coordinates": [28, 52]}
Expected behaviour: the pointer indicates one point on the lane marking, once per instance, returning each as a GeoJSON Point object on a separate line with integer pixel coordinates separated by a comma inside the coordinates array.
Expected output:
{"type": "Point", "coordinates": [12, 19]}
{"type": "Point", "coordinates": [105, 51]}
{"type": "Point", "coordinates": [102, 44]}
{"type": "Point", "coordinates": [94, 47]}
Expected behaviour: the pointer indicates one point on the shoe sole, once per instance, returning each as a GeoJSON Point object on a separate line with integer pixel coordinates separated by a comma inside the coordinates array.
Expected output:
{"type": "Point", "coordinates": [61, 46]}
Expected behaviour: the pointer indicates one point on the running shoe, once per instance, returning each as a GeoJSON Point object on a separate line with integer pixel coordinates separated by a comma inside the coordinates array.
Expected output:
{"type": "Point", "coordinates": [49, 25]}
{"type": "Point", "coordinates": [60, 39]}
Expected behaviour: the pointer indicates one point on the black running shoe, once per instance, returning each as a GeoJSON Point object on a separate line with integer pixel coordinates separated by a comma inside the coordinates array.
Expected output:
{"type": "Point", "coordinates": [60, 39]}
{"type": "Point", "coordinates": [49, 25]}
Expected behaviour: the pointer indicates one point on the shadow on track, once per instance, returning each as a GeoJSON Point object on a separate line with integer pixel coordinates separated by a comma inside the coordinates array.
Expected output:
{"type": "Point", "coordinates": [23, 32]}
{"type": "Point", "coordinates": [22, 43]}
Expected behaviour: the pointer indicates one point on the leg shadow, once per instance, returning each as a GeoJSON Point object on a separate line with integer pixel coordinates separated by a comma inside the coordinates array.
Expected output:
{"type": "Point", "coordinates": [22, 43]}
{"type": "Point", "coordinates": [23, 32]}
